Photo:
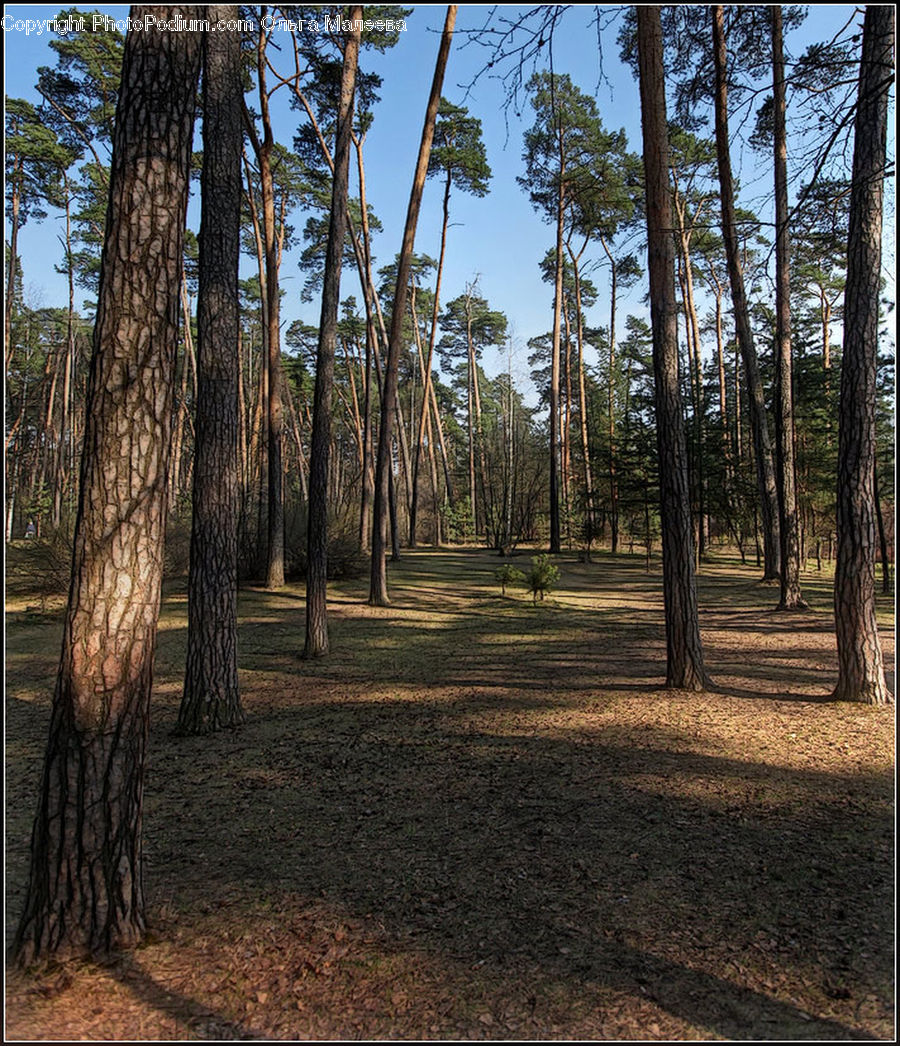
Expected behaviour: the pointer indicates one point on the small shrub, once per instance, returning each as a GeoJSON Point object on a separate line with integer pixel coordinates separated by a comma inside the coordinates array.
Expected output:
{"type": "Point", "coordinates": [507, 575]}
{"type": "Point", "coordinates": [542, 576]}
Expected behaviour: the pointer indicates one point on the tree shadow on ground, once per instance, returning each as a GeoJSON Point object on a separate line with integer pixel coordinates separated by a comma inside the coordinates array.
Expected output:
{"type": "Point", "coordinates": [505, 796]}
{"type": "Point", "coordinates": [200, 1021]}
{"type": "Point", "coordinates": [602, 863]}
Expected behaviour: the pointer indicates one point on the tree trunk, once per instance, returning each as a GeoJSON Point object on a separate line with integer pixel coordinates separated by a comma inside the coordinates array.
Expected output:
{"type": "Point", "coordinates": [422, 426]}
{"type": "Point", "coordinates": [85, 893]}
{"type": "Point", "coordinates": [211, 697]}
{"type": "Point", "coordinates": [368, 477]}
{"type": "Point", "coordinates": [789, 522]}
{"type": "Point", "coordinates": [860, 664]}
{"type": "Point", "coordinates": [765, 470]}
{"type": "Point", "coordinates": [275, 513]}
{"type": "Point", "coordinates": [566, 426]}
{"type": "Point", "coordinates": [11, 268]}
{"type": "Point", "coordinates": [63, 466]}
{"type": "Point", "coordinates": [426, 376]}
{"type": "Point", "coordinates": [317, 534]}
{"type": "Point", "coordinates": [886, 586]}
{"type": "Point", "coordinates": [378, 592]}
{"type": "Point", "coordinates": [611, 403]}
{"type": "Point", "coordinates": [260, 421]}
{"type": "Point", "coordinates": [582, 402]}
{"type": "Point", "coordinates": [684, 661]}
{"type": "Point", "coordinates": [555, 347]}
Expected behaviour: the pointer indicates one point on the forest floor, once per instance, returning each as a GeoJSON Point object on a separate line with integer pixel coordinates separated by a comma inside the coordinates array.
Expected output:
{"type": "Point", "coordinates": [484, 819]}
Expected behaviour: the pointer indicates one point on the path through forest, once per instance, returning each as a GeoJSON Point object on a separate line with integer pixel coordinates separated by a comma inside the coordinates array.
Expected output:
{"type": "Point", "coordinates": [480, 818]}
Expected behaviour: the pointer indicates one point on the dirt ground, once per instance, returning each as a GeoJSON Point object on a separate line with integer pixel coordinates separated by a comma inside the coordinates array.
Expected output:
{"type": "Point", "coordinates": [483, 819]}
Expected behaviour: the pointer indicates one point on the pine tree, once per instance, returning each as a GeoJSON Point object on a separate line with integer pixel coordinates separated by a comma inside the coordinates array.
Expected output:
{"type": "Point", "coordinates": [684, 661]}
{"type": "Point", "coordinates": [211, 696]}
{"type": "Point", "coordinates": [85, 893]}
{"type": "Point", "coordinates": [378, 592]}
{"type": "Point", "coordinates": [860, 663]}
{"type": "Point", "coordinates": [317, 538]}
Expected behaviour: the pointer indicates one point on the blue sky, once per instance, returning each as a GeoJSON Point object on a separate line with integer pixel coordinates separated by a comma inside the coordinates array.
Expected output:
{"type": "Point", "coordinates": [498, 237]}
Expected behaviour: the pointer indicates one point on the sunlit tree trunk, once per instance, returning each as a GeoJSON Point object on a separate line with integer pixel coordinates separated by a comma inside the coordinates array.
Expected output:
{"type": "Point", "coordinates": [85, 893]}
{"type": "Point", "coordinates": [860, 663]}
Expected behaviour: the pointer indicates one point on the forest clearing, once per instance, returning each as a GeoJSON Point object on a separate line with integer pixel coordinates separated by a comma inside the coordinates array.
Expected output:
{"type": "Point", "coordinates": [486, 818]}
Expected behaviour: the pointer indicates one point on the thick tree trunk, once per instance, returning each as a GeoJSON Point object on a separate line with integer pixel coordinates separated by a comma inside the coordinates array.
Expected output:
{"type": "Point", "coordinates": [317, 534]}
{"type": "Point", "coordinates": [85, 893]}
{"type": "Point", "coordinates": [378, 592]}
{"type": "Point", "coordinates": [684, 662]}
{"type": "Point", "coordinates": [860, 664]}
{"type": "Point", "coordinates": [789, 520]}
{"type": "Point", "coordinates": [211, 697]}
{"type": "Point", "coordinates": [765, 469]}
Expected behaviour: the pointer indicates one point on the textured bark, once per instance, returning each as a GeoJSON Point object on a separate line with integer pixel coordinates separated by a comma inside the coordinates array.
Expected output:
{"type": "Point", "coordinates": [762, 445]}
{"type": "Point", "coordinates": [684, 660]}
{"type": "Point", "coordinates": [211, 696]}
{"type": "Point", "coordinates": [317, 533]}
{"type": "Point", "coordinates": [789, 518]}
{"type": "Point", "coordinates": [85, 892]}
{"type": "Point", "coordinates": [378, 591]}
{"type": "Point", "coordinates": [860, 664]}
